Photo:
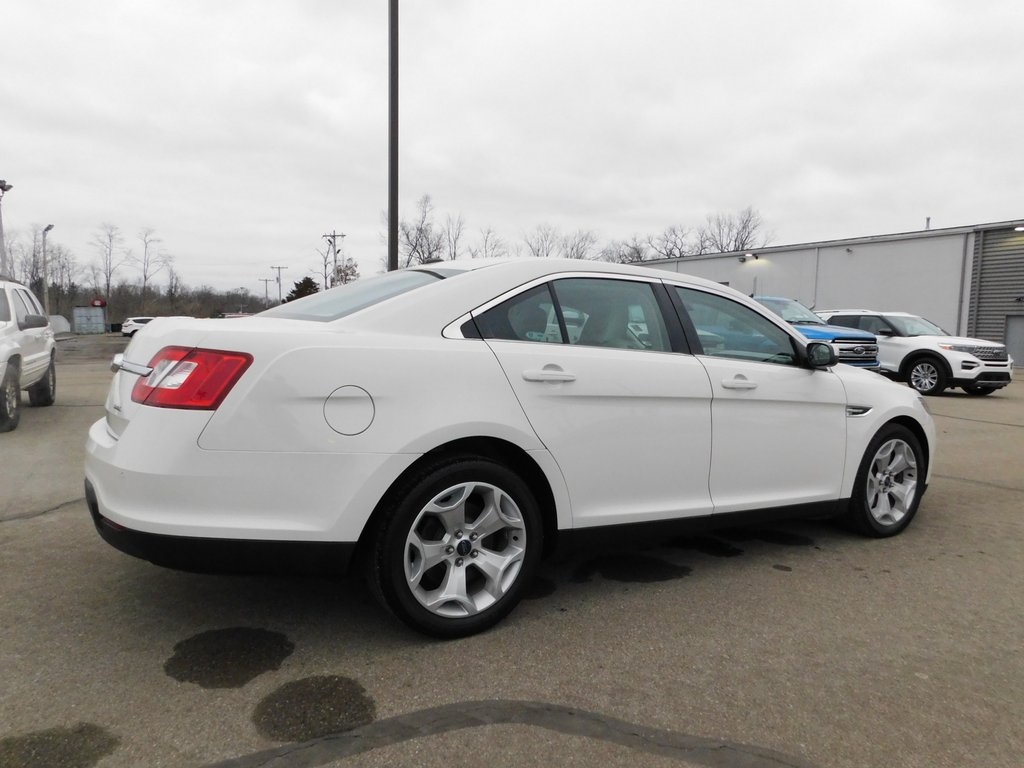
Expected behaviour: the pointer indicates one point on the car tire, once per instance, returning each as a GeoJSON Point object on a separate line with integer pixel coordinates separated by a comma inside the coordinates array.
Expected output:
{"type": "Point", "coordinates": [44, 392]}
{"type": "Point", "coordinates": [457, 545]}
{"type": "Point", "coordinates": [889, 484]}
{"type": "Point", "coordinates": [927, 375]}
{"type": "Point", "coordinates": [979, 391]}
{"type": "Point", "coordinates": [10, 398]}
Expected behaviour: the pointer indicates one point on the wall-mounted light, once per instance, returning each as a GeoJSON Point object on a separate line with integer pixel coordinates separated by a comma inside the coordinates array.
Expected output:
{"type": "Point", "coordinates": [849, 250]}
{"type": "Point", "coordinates": [746, 256]}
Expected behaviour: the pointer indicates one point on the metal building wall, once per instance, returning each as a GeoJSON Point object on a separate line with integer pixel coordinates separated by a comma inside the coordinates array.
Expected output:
{"type": "Point", "coordinates": [997, 283]}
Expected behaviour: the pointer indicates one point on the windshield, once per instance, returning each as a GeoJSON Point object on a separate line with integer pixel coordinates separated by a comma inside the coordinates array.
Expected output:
{"type": "Point", "coordinates": [346, 299]}
{"type": "Point", "coordinates": [910, 325]}
{"type": "Point", "coordinates": [791, 311]}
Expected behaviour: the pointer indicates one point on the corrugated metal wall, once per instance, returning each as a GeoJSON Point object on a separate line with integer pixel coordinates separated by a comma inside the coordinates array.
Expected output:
{"type": "Point", "coordinates": [997, 283]}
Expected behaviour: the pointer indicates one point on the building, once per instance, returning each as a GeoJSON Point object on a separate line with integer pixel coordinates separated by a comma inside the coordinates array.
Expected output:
{"type": "Point", "coordinates": [969, 280]}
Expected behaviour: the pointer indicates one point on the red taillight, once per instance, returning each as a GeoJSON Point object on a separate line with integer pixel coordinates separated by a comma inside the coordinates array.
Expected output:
{"type": "Point", "coordinates": [184, 377]}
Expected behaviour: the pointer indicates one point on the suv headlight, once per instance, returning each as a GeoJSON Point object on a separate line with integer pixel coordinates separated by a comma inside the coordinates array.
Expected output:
{"type": "Point", "coordinates": [958, 348]}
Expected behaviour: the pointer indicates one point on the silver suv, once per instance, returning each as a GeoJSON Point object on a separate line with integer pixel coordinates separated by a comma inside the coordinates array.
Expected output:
{"type": "Point", "coordinates": [26, 353]}
{"type": "Point", "coordinates": [917, 351]}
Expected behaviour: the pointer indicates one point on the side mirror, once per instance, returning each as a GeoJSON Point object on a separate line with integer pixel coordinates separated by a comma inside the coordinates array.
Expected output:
{"type": "Point", "coordinates": [821, 355]}
{"type": "Point", "coordinates": [884, 332]}
{"type": "Point", "coordinates": [34, 321]}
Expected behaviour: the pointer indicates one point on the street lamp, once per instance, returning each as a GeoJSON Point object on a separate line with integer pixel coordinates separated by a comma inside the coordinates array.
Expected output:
{"type": "Point", "coordinates": [4, 187]}
{"type": "Point", "coordinates": [46, 274]}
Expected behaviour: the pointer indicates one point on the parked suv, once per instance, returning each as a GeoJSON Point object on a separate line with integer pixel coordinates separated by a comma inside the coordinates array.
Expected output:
{"type": "Point", "coordinates": [133, 325]}
{"type": "Point", "coordinates": [852, 346]}
{"type": "Point", "coordinates": [919, 352]}
{"type": "Point", "coordinates": [26, 353]}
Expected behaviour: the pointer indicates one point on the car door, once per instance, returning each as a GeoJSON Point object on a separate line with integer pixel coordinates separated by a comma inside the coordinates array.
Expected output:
{"type": "Point", "coordinates": [779, 429]}
{"type": "Point", "coordinates": [33, 345]}
{"type": "Point", "coordinates": [626, 418]}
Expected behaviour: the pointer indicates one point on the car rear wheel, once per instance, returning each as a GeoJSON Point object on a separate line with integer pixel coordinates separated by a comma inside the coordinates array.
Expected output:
{"type": "Point", "coordinates": [10, 399]}
{"type": "Point", "coordinates": [979, 391]}
{"type": "Point", "coordinates": [458, 548]}
{"type": "Point", "coordinates": [889, 483]}
{"type": "Point", "coordinates": [927, 376]}
{"type": "Point", "coordinates": [44, 392]}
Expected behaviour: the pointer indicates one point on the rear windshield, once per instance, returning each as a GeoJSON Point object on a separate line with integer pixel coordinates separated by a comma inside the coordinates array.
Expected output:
{"type": "Point", "coordinates": [346, 299]}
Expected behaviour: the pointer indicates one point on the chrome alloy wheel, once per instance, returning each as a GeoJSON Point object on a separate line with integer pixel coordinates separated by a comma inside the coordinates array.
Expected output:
{"type": "Point", "coordinates": [924, 376]}
{"type": "Point", "coordinates": [891, 482]}
{"type": "Point", "coordinates": [465, 549]}
{"type": "Point", "coordinates": [10, 394]}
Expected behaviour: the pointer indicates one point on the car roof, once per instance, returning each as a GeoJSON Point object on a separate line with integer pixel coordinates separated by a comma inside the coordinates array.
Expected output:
{"type": "Point", "coordinates": [863, 312]}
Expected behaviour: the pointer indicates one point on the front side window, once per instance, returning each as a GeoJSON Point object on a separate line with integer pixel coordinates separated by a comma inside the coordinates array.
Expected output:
{"type": "Point", "coordinates": [727, 328]}
{"type": "Point", "coordinates": [5, 307]}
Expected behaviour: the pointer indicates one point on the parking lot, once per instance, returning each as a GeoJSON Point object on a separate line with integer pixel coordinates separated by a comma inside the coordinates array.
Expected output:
{"type": "Point", "coordinates": [794, 645]}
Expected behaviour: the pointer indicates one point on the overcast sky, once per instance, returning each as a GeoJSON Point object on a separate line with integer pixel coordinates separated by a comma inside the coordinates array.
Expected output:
{"type": "Point", "coordinates": [243, 131]}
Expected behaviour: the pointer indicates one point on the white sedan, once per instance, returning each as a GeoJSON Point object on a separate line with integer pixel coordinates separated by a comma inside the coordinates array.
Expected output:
{"type": "Point", "coordinates": [446, 425]}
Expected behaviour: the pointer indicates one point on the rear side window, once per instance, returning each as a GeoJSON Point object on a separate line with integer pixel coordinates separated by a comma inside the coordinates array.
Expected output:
{"type": "Point", "coordinates": [586, 311]}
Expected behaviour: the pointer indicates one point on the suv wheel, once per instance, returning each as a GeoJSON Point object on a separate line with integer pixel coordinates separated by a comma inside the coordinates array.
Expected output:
{"type": "Point", "coordinates": [974, 389]}
{"type": "Point", "coordinates": [927, 376]}
{"type": "Point", "coordinates": [10, 399]}
{"type": "Point", "coordinates": [44, 392]}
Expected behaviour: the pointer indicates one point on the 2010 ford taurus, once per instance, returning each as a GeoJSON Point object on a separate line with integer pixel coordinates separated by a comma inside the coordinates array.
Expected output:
{"type": "Point", "coordinates": [444, 426]}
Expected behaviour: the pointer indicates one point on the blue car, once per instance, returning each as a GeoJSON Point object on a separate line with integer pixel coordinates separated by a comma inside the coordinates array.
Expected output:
{"type": "Point", "coordinates": [853, 346]}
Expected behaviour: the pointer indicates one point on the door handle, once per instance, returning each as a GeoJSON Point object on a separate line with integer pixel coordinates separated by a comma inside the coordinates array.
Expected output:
{"type": "Point", "coordinates": [549, 373]}
{"type": "Point", "coordinates": [739, 382]}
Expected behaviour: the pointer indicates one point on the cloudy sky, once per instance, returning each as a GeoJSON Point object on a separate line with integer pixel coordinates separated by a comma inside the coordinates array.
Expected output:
{"type": "Point", "coordinates": [243, 131]}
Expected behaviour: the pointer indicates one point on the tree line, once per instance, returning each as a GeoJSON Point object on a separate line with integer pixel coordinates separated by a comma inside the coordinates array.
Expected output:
{"type": "Point", "coordinates": [124, 271]}
{"type": "Point", "coordinates": [426, 238]}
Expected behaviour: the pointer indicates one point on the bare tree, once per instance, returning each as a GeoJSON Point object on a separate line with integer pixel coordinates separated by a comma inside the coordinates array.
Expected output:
{"type": "Point", "coordinates": [579, 245]}
{"type": "Point", "coordinates": [672, 243]}
{"type": "Point", "coordinates": [629, 251]}
{"type": "Point", "coordinates": [346, 272]}
{"type": "Point", "coordinates": [110, 244]}
{"type": "Point", "coordinates": [543, 242]}
{"type": "Point", "coordinates": [728, 233]}
{"type": "Point", "coordinates": [151, 262]}
{"type": "Point", "coordinates": [453, 234]}
{"type": "Point", "coordinates": [420, 241]}
{"type": "Point", "coordinates": [491, 246]}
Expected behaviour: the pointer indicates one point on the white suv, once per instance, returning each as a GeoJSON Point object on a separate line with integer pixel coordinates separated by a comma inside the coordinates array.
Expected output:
{"type": "Point", "coordinates": [26, 353]}
{"type": "Point", "coordinates": [919, 352]}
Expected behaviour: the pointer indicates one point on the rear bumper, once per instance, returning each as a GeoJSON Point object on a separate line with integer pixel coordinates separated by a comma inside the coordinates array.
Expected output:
{"type": "Point", "coordinates": [186, 553]}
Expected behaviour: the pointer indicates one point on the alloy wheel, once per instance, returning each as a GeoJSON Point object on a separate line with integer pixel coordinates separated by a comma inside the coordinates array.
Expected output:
{"type": "Point", "coordinates": [892, 482]}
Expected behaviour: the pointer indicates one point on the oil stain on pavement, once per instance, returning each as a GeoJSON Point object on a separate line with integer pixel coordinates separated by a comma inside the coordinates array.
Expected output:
{"type": "Point", "coordinates": [228, 658]}
{"type": "Point", "coordinates": [81, 746]}
{"type": "Point", "coordinates": [314, 707]}
{"type": "Point", "coordinates": [630, 567]}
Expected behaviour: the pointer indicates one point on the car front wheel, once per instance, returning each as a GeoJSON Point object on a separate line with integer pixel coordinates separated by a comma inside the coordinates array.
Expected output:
{"type": "Point", "coordinates": [10, 399]}
{"type": "Point", "coordinates": [889, 483]}
{"type": "Point", "coordinates": [461, 543]}
{"type": "Point", "coordinates": [44, 392]}
{"type": "Point", "coordinates": [927, 376]}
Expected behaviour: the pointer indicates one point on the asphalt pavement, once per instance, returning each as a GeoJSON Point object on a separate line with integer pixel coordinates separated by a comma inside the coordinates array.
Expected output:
{"type": "Point", "coordinates": [791, 645]}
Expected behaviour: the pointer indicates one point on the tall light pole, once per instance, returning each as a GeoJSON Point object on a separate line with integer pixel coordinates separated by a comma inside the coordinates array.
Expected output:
{"type": "Point", "coordinates": [393, 135]}
{"type": "Point", "coordinates": [46, 274]}
{"type": "Point", "coordinates": [4, 267]}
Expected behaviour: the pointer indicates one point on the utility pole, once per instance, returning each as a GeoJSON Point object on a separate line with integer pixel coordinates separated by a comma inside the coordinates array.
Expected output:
{"type": "Point", "coordinates": [279, 282]}
{"type": "Point", "coordinates": [332, 238]}
{"type": "Point", "coordinates": [266, 289]}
